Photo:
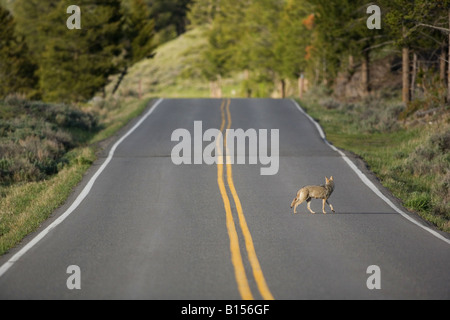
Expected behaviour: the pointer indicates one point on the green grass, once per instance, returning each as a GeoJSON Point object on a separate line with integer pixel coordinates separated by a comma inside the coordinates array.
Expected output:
{"type": "Point", "coordinates": [409, 160]}
{"type": "Point", "coordinates": [24, 206]}
{"type": "Point", "coordinates": [113, 120]}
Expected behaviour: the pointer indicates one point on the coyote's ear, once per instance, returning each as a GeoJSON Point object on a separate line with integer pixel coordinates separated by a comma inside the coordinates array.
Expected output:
{"type": "Point", "coordinates": [326, 179]}
{"type": "Point", "coordinates": [331, 178]}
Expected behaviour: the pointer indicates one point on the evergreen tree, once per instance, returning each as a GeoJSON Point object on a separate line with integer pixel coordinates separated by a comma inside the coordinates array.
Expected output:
{"type": "Point", "coordinates": [242, 39]}
{"type": "Point", "coordinates": [415, 27]}
{"type": "Point", "coordinates": [29, 16]}
{"type": "Point", "coordinates": [399, 20]}
{"type": "Point", "coordinates": [138, 32]}
{"type": "Point", "coordinates": [263, 18]}
{"type": "Point", "coordinates": [329, 39]}
{"type": "Point", "coordinates": [357, 41]}
{"type": "Point", "coordinates": [16, 70]}
{"type": "Point", "coordinates": [77, 63]}
{"type": "Point", "coordinates": [340, 35]}
{"type": "Point", "coordinates": [228, 50]}
{"type": "Point", "coordinates": [293, 38]}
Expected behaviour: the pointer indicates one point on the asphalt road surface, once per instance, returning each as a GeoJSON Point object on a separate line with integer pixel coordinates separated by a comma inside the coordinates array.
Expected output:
{"type": "Point", "coordinates": [150, 229]}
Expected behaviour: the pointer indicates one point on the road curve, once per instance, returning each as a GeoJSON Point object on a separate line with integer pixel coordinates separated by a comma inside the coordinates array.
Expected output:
{"type": "Point", "coordinates": [151, 229]}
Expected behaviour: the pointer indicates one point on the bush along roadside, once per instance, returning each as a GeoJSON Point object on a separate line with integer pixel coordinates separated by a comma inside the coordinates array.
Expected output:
{"type": "Point", "coordinates": [45, 150]}
{"type": "Point", "coordinates": [411, 157]}
{"type": "Point", "coordinates": [35, 138]}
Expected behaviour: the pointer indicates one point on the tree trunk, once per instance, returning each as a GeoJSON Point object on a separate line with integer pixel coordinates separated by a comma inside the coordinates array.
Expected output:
{"type": "Point", "coordinates": [351, 68]}
{"type": "Point", "coordinates": [316, 75]}
{"type": "Point", "coordinates": [215, 88]}
{"type": "Point", "coordinates": [442, 67]}
{"type": "Point", "coordinates": [301, 85]}
{"type": "Point", "coordinates": [442, 74]}
{"type": "Point", "coordinates": [448, 74]}
{"type": "Point", "coordinates": [405, 71]}
{"type": "Point", "coordinates": [365, 77]}
{"type": "Point", "coordinates": [122, 75]}
{"type": "Point", "coordinates": [325, 76]}
{"type": "Point", "coordinates": [247, 85]}
{"type": "Point", "coordinates": [413, 76]}
{"type": "Point", "coordinates": [283, 88]}
{"type": "Point", "coordinates": [405, 75]}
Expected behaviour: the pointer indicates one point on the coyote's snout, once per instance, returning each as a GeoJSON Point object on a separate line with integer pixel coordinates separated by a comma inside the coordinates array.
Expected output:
{"type": "Point", "coordinates": [316, 192]}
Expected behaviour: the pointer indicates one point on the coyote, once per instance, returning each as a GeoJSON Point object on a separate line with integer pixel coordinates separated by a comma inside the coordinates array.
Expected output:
{"type": "Point", "coordinates": [316, 192]}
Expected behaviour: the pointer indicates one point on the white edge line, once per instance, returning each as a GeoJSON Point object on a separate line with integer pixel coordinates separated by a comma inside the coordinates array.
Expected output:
{"type": "Point", "coordinates": [78, 200]}
{"type": "Point", "coordinates": [366, 181]}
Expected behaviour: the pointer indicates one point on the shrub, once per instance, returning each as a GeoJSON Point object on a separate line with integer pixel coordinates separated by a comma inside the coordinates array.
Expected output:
{"type": "Point", "coordinates": [442, 141]}
{"type": "Point", "coordinates": [369, 115]}
{"type": "Point", "coordinates": [35, 136]}
{"type": "Point", "coordinates": [431, 157]}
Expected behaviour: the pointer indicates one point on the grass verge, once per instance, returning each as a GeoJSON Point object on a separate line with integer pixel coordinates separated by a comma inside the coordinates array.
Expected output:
{"type": "Point", "coordinates": [25, 206]}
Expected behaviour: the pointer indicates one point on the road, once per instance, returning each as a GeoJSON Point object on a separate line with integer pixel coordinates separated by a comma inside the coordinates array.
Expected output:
{"type": "Point", "coordinates": [150, 229]}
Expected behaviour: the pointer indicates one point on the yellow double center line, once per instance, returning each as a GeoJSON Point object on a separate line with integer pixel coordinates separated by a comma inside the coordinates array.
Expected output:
{"type": "Point", "coordinates": [236, 257]}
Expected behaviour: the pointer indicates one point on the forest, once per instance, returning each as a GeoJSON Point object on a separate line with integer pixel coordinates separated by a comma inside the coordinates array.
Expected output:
{"type": "Point", "coordinates": [278, 41]}
{"type": "Point", "coordinates": [42, 59]}
{"type": "Point", "coordinates": [273, 43]}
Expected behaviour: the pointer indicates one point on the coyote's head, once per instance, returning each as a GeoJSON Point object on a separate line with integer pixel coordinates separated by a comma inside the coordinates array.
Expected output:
{"type": "Point", "coordinates": [329, 183]}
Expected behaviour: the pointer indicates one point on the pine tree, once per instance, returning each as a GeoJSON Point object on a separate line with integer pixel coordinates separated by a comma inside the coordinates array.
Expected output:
{"type": "Point", "coordinates": [77, 63]}
{"type": "Point", "coordinates": [262, 17]}
{"type": "Point", "coordinates": [29, 16]}
{"type": "Point", "coordinates": [330, 37]}
{"type": "Point", "coordinates": [138, 34]}
{"type": "Point", "coordinates": [16, 70]}
{"type": "Point", "coordinates": [359, 41]}
{"type": "Point", "coordinates": [399, 20]}
{"type": "Point", "coordinates": [228, 48]}
{"type": "Point", "coordinates": [341, 34]}
{"type": "Point", "coordinates": [242, 38]}
{"type": "Point", "coordinates": [230, 34]}
{"type": "Point", "coordinates": [432, 19]}
{"type": "Point", "coordinates": [293, 37]}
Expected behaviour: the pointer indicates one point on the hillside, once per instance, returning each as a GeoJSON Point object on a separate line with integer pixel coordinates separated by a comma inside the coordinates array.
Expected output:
{"type": "Point", "coordinates": [174, 71]}
{"type": "Point", "coordinates": [171, 73]}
